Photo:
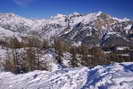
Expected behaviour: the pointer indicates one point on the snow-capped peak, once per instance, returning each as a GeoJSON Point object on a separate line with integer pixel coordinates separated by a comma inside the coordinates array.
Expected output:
{"type": "Point", "coordinates": [76, 13]}
{"type": "Point", "coordinates": [7, 15]}
{"type": "Point", "coordinates": [58, 16]}
{"type": "Point", "coordinates": [121, 20]}
{"type": "Point", "coordinates": [99, 13]}
{"type": "Point", "coordinates": [126, 19]}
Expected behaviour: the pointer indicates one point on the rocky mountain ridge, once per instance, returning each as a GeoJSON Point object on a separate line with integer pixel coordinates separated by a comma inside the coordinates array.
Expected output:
{"type": "Point", "coordinates": [94, 29]}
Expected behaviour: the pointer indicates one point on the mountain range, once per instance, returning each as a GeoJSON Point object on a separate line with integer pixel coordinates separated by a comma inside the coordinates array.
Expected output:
{"type": "Point", "coordinates": [93, 29]}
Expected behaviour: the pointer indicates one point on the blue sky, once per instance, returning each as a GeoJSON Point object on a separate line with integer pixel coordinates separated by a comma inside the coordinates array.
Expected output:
{"type": "Point", "coordinates": [46, 8]}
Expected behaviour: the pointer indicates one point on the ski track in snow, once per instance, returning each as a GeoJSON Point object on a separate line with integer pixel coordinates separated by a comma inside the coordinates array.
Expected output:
{"type": "Point", "coordinates": [113, 76]}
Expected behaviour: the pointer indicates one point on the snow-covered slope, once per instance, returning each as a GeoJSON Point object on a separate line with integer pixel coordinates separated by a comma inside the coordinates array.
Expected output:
{"type": "Point", "coordinates": [5, 33]}
{"type": "Point", "coordinates": [113, 76]}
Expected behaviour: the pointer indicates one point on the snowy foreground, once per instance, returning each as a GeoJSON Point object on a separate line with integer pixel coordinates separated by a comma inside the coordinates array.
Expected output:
{"type": "Point", "coordinates": [114, 76]}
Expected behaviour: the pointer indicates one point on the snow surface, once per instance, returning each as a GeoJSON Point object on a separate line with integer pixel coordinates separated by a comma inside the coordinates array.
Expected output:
{"type": "Point", "coordinates": [5, 33]}
{"type": "Point", "coordinates": [113, 76]}
{"type": "Point", "coordinates": [121, 20]}
{"type": "Point", "coordinates": [85, 19]}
